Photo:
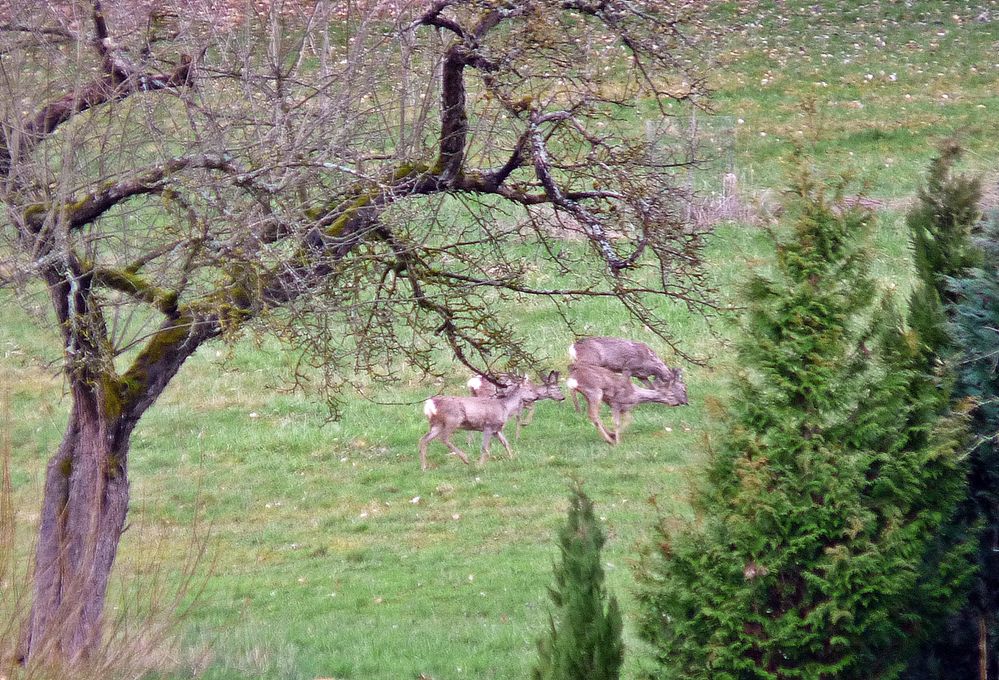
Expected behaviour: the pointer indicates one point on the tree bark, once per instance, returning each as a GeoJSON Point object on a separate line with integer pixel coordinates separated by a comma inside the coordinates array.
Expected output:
{"type": "Point", "coordinates": [86, 485]}
{"type": "Point", "coordinates": [82, 518]}
{"type": "Point", "coordinates": [983, 648]}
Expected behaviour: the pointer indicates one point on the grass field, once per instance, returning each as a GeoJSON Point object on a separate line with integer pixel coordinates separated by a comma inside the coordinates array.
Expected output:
{"type": "Point", "coordinates": [330, 555]}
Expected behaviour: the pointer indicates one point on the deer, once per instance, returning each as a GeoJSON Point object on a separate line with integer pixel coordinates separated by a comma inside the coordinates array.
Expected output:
{"type": "Point", "coordinates": [628, 357]}
{"type": "Point", "coordinates": [635, 359]}
{"type": "Point", "coordinates": [487, 415]}
{"type": "Point", "coordinates": [598, 384]}
{"type": "Point", "coordinates": [548, 389]}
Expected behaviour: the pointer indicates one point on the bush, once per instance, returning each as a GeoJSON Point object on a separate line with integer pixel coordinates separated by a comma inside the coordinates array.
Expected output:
{"type": "Point", "coordinates": [825, 487]}
{"type": "Point", "coordinates": [584, 638]}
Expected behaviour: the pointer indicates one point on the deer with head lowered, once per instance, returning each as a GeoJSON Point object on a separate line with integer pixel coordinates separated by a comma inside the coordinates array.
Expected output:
{"type": "Point", "coordinates": [598, 384]}
{"type": "Point", "coordinates": [632, 358]}
{"type": "Point", "coordinates": [487, 415]}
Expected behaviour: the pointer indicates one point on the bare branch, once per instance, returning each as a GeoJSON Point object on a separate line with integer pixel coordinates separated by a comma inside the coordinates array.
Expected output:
{"type": "Point", "coordinates": [595, 229]}
{"type": "Point", "coordinates": [100, 91]}
{"type": "Point", "coordinates": [37, 30]}
{"type": "Point", "coordinates": [85, 210]}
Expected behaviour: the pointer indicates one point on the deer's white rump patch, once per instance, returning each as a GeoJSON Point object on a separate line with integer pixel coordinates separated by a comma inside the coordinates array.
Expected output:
{"type": "Point", "coordinates": [429, 408]}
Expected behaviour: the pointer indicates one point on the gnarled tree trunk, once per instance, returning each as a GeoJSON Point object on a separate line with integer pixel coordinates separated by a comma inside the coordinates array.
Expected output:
{"type": "Point", "coordinates": [86, 492]}
{"type": "Point", "coordinates": [83, 514]}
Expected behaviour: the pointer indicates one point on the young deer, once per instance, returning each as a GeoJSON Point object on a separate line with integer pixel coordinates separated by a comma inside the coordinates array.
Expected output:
{"type": "Point", "coordinates": [598, 384]}
{"type": "Point", "coordinates": [487, 415]}
{"type": "Point", "coordinates": [635, 359]}
{"type": "Point", "coordinates": [548, 389]}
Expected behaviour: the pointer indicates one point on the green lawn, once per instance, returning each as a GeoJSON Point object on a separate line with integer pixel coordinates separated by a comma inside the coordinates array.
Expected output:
{"type": "Point", "coordinates": [330, 555]}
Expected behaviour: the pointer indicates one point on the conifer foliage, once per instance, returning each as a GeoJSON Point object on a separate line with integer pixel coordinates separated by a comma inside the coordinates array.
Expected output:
{"type": "Point", "coordinates": [822, 492]}
{"type": "Point", "coordinates": [584, 638]}
{"type": "Point", "coordinates": [973, 650]}
{"type": "Point", "coordinates": [940, 226]}
{"type": "Point", "coordinates": [951, 298]}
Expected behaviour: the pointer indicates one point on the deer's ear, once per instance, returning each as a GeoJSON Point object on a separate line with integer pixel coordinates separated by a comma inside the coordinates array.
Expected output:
{"type": "Point", "coordinates": [553, 377]}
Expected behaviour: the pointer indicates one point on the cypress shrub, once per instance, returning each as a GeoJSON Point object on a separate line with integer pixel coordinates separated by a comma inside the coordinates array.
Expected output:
{"type": "Point", "coordinates": [951, 297]}
{"type": "Point", "coordinates": [584, 637]}
{"type": "Point", "coordinates": [974, 632]}
{"type": "Point", "coordinates": [823, 491]}
{"type": "Point", "coordinates": [966, 645]}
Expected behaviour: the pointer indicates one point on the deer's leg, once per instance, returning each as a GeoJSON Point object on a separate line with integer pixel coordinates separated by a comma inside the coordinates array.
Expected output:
{"type": "Point", "coordinates": [575, 402]}
{"type": "Point", "coordinates": [524, 418]}
{"type": "Point", "coordinates": [446, 438]}
{"type": "Point", "coordinates": [593, 403]}
{"type": "Point", "coordinates": [487, 437]}
{"type": "Point", "coordinates": [425, 441]}
{"type": "Point", "coordinates": [505, 443]}
{"type": "Point", "coordinates": [626, 418]}
{"type": "Point", "coordinates": [617, 414]}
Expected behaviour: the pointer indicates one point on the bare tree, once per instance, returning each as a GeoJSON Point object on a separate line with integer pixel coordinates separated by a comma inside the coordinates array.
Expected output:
{"type": "Point", "coordinates": [364, 184]}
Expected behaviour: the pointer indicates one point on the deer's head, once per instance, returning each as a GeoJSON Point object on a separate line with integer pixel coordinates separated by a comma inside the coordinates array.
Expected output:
{"type": "Point", "coordinates": [673, 390]}
{"type": "Point", "coordinates": [549, 388]}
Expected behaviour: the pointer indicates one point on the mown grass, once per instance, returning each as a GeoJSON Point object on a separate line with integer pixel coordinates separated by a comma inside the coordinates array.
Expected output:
{"type": "Point", "coordinates": [332, 556]}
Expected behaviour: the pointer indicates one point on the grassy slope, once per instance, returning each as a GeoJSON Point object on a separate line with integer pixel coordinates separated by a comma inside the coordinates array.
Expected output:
{"type": "Point", "coordinates": [321, 566]}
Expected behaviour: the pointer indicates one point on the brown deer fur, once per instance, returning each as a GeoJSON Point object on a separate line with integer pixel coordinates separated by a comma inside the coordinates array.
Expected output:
{"type": "Point", "coordinates": [598, 384]}
{"type": "Point", "coordinates": [487, 415]}
{"type": "Point", "coordinates": [635, 359]}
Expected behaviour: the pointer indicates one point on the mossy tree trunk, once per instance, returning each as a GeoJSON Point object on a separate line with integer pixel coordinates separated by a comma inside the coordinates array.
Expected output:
{"type": "Point", "coordinates": [82, 517]}
{"type": "Point", "coordinates": [86, 491]}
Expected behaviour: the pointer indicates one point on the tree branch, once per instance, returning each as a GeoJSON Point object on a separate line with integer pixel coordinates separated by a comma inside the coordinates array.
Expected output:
{"type": "Point", "coordinates": [594, 227]}
{"type": "Point", "coordinates": [177, 338]}
{"type": "Point", "coordinates": [100, 91]}
{"type": "Point", "coordinates": [121, 79]}
{"type": "Point", "coordinates": [454, 116]}
{"type": "Point", "coordinates": [137, 288]}
{"type": "Point", "coordinates": [80, 212]}
{"type": "Point", "coordinates": [432, 17]}
{"type": "Point", "coordinates": [36, 30]}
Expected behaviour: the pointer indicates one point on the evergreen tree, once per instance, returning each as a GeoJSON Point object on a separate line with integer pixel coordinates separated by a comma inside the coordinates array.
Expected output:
{"type": "Point", "coordinates": [941, 226]}
{"type": "Point", "coordinates": [973, 641]}
{"type": "Point", "coordinates": [968, 644]}
{"type": "Point", "coordinates": [585, 642]}
{"type": "Point", "coordinates": [815, 519]}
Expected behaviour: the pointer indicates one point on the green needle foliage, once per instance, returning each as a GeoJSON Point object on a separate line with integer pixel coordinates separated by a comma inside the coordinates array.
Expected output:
{"type": "Point", "coordinates": [949, 300]}
{"type": "Point", "coordinates": [971, 646]}
{"type": "Point", "coordinates": [815, 521]}
{"type": "Point", "coordinates": [585, 643]}
{"type": "Point", "coordinates": [940, 227]}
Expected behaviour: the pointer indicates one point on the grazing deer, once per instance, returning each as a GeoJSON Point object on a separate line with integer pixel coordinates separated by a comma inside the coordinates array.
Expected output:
{"type": "Point", "coordinates": [487, 415]}
{"type": "Point", "coordinates": [548, 389]}
{"type": "Point", "coordinates": [634, 359]}
{"type": "Point", "coordinates": [598, 384]}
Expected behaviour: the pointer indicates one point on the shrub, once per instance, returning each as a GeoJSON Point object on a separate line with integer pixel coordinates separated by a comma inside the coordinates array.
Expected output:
{"type": "Point", "coordinates": [584, 637]}
{"type": "Point", "coordinates": [824, 488]}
